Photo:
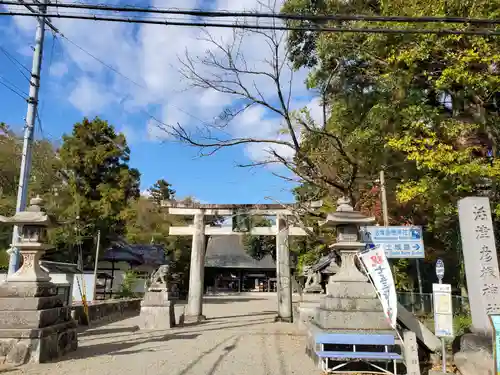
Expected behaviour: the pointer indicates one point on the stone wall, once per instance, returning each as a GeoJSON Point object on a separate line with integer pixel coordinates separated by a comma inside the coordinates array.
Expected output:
{"type": "Point", "coordinates": [108, 311]}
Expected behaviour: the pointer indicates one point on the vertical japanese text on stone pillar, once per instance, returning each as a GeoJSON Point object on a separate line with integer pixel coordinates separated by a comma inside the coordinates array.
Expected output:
{"type": "Point", "coordinates": [480, 257]}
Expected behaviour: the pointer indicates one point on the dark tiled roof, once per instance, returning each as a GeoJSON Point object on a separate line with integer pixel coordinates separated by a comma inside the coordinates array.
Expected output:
{"type": "Point", "coordinates": [59, 267]}
{"type": "Point", "coordinates": [138, 254]}
{"type": "Point", "coordinates": [229, 252]}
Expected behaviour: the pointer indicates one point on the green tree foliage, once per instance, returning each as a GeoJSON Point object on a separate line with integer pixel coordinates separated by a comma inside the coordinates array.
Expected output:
{"type": "Point", "coordinates": [98, 186]}
{"type": "Point", "coordinates": [161, 190]}
{"type": "Point", "coordinates": [148, 223]}
{"type": "Point", "coordinates": [423, 107]}
{"type": "Point", "coordinates": [44, 174]}
{"type": "Point", "coordinates": [259, 247]}
{"type": "Point", "coordinates": [89, 186]}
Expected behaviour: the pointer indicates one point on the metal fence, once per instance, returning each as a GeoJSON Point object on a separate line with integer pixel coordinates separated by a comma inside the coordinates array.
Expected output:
{"type": "Point", "coordinates": [422, 304]}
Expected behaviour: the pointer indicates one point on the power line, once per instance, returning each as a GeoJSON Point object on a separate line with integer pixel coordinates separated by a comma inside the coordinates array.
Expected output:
{"type": "Point", "coordinates": [255, 14]}
{"type": "Point", "coordinates": [116, 71]}
{"type": "Point", "coordinates": [12, 90]}
{"type": "Point", "coordinates": [13, 86]}
{"type": "Point", "coordinates": [16, 62]}
{"type": "Point", "coordinates": [29, 7]}
{"type": "Point", "coordinates": [13, 59]}
{"type": "Point", "coordinates": [483, 32]}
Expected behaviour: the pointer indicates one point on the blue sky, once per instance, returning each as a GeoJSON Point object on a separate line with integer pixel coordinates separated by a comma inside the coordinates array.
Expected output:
{"type": "Point", "coordinates": [75, 85]}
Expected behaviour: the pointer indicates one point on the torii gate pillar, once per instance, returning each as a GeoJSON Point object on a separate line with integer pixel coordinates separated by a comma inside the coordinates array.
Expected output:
{"type": "Point", "coordinates": [199, 231]}
{"type": "Point", "coordinates": [194, 311]}
{"type": "Point", "coordinates": [283, 274]}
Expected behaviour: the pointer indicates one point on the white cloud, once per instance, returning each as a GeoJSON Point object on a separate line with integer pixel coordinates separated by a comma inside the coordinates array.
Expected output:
{"type": "Point", "coordinates": [133, 134]}
{"type": "Point", "coordinates": [90, 97]}
{"type": "Point", "coordinates": [316, 110]}
{"type": "Point", "coordinates": [146, 193]}
{"type": "Point", "coordinates": [59, 69]}
{"type": "Point", "coordinates": [154, 132]}
{"type": "Point", "coordinates": [149, 56]}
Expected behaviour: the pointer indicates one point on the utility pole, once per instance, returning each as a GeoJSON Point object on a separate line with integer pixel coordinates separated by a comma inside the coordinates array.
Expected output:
{"type": "Point", "coordinates": [97, 248]}
{"type": "Point", "coordinates": [29, 131]}
{"type": "Point", "coordinates": [385, 213]}
{"type": "Point", "coordinates": [383, 192]}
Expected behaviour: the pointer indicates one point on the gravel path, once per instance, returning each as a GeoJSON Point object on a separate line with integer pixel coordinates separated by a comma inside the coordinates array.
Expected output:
{"type": "Point", "coordinates": [238, 338]}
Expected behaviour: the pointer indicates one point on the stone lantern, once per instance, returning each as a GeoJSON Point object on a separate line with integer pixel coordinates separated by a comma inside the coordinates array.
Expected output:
{"type": "Point", "coordinates": [348, 245]}
{"type": "Point", "coordinates": [351, 302]}
{"type": "Point", "coordinates": [34, 325]}
{"type": "Point", "coordinates": [33, 224]}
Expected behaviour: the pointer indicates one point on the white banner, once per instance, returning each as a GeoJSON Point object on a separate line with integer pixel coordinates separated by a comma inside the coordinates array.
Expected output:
{"type": "Point", "coordinates": [379, 270]}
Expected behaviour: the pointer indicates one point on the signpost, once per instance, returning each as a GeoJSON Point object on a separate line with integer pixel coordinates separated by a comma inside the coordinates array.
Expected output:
{"type": "Point", "coordinates": [443, 309]}
{"type": "Point", "coordinates": [440, 270]}
{"type": "Point", "coordinates": [397, 242]}
{"type": "Point", "coordinates": [495, 323]}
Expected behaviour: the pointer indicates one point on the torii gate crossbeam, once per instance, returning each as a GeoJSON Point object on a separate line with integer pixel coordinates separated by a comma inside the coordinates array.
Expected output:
{"type": "Point", "coordinates": [199, 230]}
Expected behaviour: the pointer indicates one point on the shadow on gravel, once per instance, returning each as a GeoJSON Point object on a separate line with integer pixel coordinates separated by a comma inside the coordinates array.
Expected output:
{"type": "Point", "coordinates": [117, 347]}
{"type": "Point", "coordinates": [228, 349]}
{"type": "Point", "coordinates": [223, 300]}
{"type": "Point", "coordinates": [242, 315]}
{"type": "Point", "coordinates": [107, 331]}
{"type": "Point", "coordinates": [195, 361]}
{"type": "Point", "coordinates": [9, 369]}
{"type": "Point", "coordinates": [219, 327]}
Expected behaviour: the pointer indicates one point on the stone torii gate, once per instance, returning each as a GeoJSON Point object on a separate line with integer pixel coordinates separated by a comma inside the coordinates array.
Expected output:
{"type": "Point", "coordinates": [199, 230]}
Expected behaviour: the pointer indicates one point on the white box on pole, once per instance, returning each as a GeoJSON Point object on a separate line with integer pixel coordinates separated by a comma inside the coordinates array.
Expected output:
{"type": "Point", "coordinates": [443, 310]}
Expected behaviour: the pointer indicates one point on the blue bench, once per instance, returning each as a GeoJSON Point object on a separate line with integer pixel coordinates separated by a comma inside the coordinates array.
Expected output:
{"type": "Point", "coordinates": [356, 340]}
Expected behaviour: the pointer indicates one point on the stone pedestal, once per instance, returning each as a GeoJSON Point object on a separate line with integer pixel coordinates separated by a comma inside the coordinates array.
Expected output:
{"type": "Point", "coordinates": [314, 288]}
{"type": "Point", "coordinates": [351, 306]}
{"type": "Point", "coordinates": [157, 310]}
{"type": "Point", "coordinates": [35, 327]}
{"type": "Point", "coordinates": [351, 302]}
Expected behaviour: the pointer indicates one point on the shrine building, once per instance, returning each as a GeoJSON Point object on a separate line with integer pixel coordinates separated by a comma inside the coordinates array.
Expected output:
{"type": "Point", "coordinates": [229, 269]}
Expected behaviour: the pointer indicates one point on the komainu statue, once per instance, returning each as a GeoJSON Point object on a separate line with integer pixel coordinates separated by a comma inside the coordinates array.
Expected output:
{"type": "Point", "coordinates": [159, 278]}
{"type": "Point", "coordinates": [326, 265]}
{"type": "Point", "coordinates": [313, 281]}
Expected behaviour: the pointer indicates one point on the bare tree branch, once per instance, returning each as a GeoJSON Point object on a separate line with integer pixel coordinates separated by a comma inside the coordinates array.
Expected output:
{"type": "Point", "coordinates": [225, 69]}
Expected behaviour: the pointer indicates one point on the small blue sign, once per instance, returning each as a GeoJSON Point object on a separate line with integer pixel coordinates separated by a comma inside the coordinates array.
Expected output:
{"type": "Point", "coordinates": [495, 322]}
{"type": "Point", "coordinates": [398, 242]}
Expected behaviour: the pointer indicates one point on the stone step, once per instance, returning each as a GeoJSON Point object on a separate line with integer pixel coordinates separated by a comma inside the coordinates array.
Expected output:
{"type": "Point", "coordinates": [30, 303]}
{"type": "Point", "coordinates": [38, 345]}
{"type": "Point", "coordinates": [351, 290]}
{"type": "Point", "coordinates": [27, 289]}
{"type": "Point", "coordinates": [34, 318]}
{"type": "Point", "coordinates": [424, 335]}
{"type": "Point", "coordinates": [157, 298]}
{"type": "Point", "coordinates": [351, 304]}
{"type": "Point", "coordinates": [24, 333]}
{"type": "Point", "coordinates": [360, 320]}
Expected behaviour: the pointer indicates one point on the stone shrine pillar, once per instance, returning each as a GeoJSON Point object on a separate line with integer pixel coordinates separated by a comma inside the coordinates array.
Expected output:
{"type": "Point", "coordinates": [283, 274]}
{"type": "Point", "coordinates": [351, 302]}
{"type": "Point", "coordinates": [480, 261]}
{"type": "Point", "coordinates": [35, 327]}
{"type": "Point", "coordinates": [194, 311]}
{"type": "Point", "coordinates": [481, 270]}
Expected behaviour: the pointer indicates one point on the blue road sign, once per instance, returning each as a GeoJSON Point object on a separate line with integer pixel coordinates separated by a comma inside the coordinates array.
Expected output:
{"type": "Point", "coordinates": [398, 242]}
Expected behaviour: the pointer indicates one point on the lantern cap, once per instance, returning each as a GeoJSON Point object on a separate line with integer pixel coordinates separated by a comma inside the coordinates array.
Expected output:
{"type": "Point", "coordinates": [345, 214]}
{"type": "Point", "coordinates": [33, 215]}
